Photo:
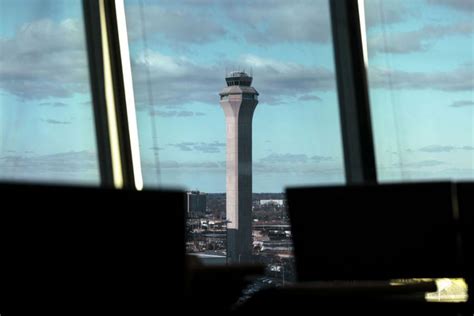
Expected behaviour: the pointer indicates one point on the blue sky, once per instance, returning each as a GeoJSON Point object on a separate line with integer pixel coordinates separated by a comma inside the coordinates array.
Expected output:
{"type": "Point", "coordinates": [46, 120]}
{"type": "Point", "coordinates": [296, 138]}
{"type": "Point", "coordinates": [422, 78]}
{"type": "Point", "coordinates": [421, 63]}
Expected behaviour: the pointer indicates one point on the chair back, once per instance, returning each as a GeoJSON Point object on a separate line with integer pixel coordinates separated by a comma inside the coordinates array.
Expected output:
{"type": "Point", "coordinates": [70, 248]}
{"type": "Point", "coordinates": [374, 232]}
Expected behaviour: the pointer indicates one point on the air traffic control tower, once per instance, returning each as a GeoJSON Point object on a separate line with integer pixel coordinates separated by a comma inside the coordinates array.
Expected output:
{"type": "Point", "coordinates": [239, 101]}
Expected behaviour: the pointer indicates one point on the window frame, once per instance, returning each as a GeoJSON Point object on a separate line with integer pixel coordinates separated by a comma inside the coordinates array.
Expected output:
{"type": "Point", "coordinates": [348, 28]}
{"type": "Point", "coordinates": [351, 77]}
{"type": "Point", "coordinates": [112, 94]}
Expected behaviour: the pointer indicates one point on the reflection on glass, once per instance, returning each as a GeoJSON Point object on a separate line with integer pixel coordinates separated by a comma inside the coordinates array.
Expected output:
{"type": "Point", "coordinates": [46, 126]}
{"type": "Point", "coordinates": [449, 290]}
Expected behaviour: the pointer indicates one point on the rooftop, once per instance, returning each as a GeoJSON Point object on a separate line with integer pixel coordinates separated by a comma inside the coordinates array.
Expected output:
{"type": "Point", "coordinates": [237, 74]}
{"type": "Point", "coordinates": [238, 78]}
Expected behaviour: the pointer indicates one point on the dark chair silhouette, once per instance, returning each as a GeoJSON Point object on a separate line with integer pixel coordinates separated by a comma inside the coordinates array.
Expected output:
{"type": "Point", "coordinates": [465, 199]}
{"type": "Point", "coordinates": [77, 250]}
{"type": "Point", "coordinates": [350, 241]}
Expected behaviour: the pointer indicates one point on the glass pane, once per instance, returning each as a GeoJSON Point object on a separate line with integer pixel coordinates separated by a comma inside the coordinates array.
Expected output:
{"type": "Point", "coordinates": [182, 52]}
{"type": "Point", "coordinates": [46, 120]}
{"type": "Point", "coordinates": [421, 78]}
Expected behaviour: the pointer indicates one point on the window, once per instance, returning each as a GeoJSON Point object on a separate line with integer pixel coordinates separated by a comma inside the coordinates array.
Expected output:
{"type": "Point", "coordinates": [421, 79]}
{"type": "Point", "coordinates": [46, 120]}
{"type": "Point", "coordinates": [295, 137]}
{"type": "Point", "coordinates": [421, 86]}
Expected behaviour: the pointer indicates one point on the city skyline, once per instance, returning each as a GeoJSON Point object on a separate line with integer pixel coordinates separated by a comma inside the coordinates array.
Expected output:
{"type": "Point", "coordinates": [420, 74]}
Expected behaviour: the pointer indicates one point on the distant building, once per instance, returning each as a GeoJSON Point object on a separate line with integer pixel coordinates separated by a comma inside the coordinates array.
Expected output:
{"type": "Point", "coordinates": [272, 202]}
{"type": "Point", "coordinates": [196, 203]}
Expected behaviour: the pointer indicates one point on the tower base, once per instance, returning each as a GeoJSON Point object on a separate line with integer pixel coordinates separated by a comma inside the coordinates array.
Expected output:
{"type": "Point", "coordinates": [238, 251]}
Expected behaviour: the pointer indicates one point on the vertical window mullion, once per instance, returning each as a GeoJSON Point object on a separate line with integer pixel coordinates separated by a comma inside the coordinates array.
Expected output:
{"type": "Point", "coordinates": [114, 103]}
{"type": "Point", "coordinates": [351, 73]}
{"type": "Point", "coordinates": [92, 24]}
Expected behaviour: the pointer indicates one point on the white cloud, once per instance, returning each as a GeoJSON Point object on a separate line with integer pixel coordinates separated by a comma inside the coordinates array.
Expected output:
{"type": "Point", "coordinates": [273, 22]}
{"type": "Point", "coordinates": [308, 97]}
{"type": "Point", "coordinates": [72, 166]}
{"type": "Point", "coordinates": [383, 12]}
{"type": "Point", "coordinates": [444, 149]}
{"type": "Point", "coordinates": [54, 104]}
{"type": "Point", "coordinates": [417, 40]}
{"type": "Point", "coordinates": [173, 164]}
{"type": "Point", "coordinates": [437, 149]}
{"type": "Point", "coordinates": [263, 22]}
{"type": "Point", "coordinates": [176, 113]}
{"type": "Point", "coordinates": [276, 78]}
{"type": "Point", "coordinates": [284, 158]}
{"type": "Point", "coordinates": [458, 79]}
{"type": "Point", "coordinates": [462, 5]}
{"type": "Point", "coordinates": [318, 158]}
{"type": "Point", "coordinates": [421, 164]}
{"type": "Point", "coordinates": [56, 122]}
{"type": "Point", "coordinates": [176, 65]}
{"type": "Point", "coordinates": [289, 158]}
{"type": "Point", "coordinates": [462, 103]}
{"type": "Point", "coordinates": [178, 25]}
{"type": "Point", "coordinates": [203, 147]}
{"type": "Point", "coordinates": [45, 59]}
{"type": "Point", "coordinates": [176, 80]}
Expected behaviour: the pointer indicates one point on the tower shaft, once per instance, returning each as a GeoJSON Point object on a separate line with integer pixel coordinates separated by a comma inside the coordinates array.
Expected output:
{"type": "Point", "coordinates": [239, 180]}
{"type": "Point", "coordinates": [239, 101]}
